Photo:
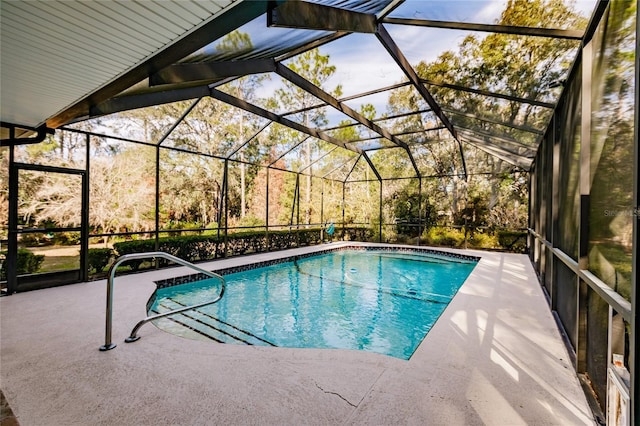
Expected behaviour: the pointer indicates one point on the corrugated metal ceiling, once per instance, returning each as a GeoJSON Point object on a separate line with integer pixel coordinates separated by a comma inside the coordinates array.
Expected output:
{"type": "Point", "coordinates": [56, 52]}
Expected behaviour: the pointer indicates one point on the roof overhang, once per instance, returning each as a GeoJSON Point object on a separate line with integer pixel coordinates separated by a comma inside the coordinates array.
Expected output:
{"type": "Point", "coordinates": [60, 58]}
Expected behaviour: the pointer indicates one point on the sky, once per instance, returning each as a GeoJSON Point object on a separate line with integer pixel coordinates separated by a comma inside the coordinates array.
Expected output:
{"type": "Point", "coordinates": [363, 57]}
{"type": "Point", "coordinates": [362, 63]}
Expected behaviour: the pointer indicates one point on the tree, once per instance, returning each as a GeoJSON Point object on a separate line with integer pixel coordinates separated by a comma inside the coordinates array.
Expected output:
{"type": "Point", "coordinates": [243, 88]}
{"type": "Point", "coordinates": [520, 66]}
{"type": "Point", "coordinates": [194, 183]}
{"type": "Point", "coordinates": [56, 198]}
{"type": "Point", "coordinates": [410, 209]}
{"type": "Point", "coordinates": [51, 197]}
{"type": "Point", "coordinates": [191, 183]}
{"type": "Point", "coordinates": [259, 200]}
{"type": "Point", "coordinates": [121, 193]}
{"type": "Point", "coordinates": [612, 209]}
{"type": "Point", "coordinates": [314, 67]}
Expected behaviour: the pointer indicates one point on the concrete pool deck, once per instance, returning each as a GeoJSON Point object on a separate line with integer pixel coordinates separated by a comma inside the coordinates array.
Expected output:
{"type": "Point", "coordinates": [495, 357]}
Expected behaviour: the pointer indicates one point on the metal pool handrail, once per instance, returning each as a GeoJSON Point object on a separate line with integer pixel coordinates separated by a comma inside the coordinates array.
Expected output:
{"type": "Point", "coordinates": [108, 344]}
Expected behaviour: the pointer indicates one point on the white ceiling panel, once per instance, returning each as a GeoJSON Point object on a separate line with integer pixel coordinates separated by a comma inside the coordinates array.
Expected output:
{"type": "Point", "coordinates": [57, 52]}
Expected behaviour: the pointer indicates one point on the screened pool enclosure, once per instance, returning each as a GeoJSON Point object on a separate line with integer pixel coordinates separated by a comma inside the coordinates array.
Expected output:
{"type": "Point", "coordinates": [218, 128]}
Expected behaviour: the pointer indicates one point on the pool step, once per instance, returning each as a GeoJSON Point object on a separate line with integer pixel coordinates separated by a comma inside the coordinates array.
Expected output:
{"type": "Point", "coordinates": [208, 326]}
{"type": "Point", "coordinates": [186, 329]}
{"type": "Point", "coordinates": [192, 320]}
{"type": "Point", "coordinates": [228, 328]}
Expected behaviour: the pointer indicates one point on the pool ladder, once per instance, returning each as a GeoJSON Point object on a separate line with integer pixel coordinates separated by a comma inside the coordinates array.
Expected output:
{"type": "Point", "coordinates": [108, 344]}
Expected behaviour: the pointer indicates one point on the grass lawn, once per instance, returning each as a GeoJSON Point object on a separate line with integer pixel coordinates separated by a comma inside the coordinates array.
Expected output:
{"type": "Point", "coordinates": [63, 258]}
{"type": "Point", "coordinates": [58, 258]}
{"type": "Point", "coordinates": [60, 263]}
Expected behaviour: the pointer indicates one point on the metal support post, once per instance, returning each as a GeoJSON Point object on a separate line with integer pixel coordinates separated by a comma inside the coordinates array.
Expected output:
{"type": "Point", "coordinates": [12, 249]}
{"type": "Point", "coordinates": [266, 209]}
{"type": "Point", "coordinates": [157, 205]}
{"type": "Point", "coordinates": [380, 214]}
{"type": "Point", "coordinates": [225, 195]}
{"type": "Point", "coordinates": [84, 233]}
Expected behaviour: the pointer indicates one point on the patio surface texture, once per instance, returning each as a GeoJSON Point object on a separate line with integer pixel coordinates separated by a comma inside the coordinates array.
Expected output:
{"type": "Point", "coordinates": [495, 357]}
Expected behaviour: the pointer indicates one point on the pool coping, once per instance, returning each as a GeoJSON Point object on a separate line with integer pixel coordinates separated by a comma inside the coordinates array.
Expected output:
{"type": "Point", "coordinates": [184, 279]}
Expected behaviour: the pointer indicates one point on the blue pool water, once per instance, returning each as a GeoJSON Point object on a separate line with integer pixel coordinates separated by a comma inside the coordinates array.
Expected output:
{"type": "Point", "coordinates": [379, 301]}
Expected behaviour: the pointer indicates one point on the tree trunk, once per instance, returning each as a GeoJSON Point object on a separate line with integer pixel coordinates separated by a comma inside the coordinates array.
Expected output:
{"type": "Point", "coordinates": [243, 200]}
{"type": "Point", "coordinates": [307, 159]}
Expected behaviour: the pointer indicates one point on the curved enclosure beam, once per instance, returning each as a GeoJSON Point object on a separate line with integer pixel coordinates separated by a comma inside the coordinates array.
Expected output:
{"type": "Point", "coordinates": [240, 103]}
{"type": "Point", "coordinates": [490, 28]}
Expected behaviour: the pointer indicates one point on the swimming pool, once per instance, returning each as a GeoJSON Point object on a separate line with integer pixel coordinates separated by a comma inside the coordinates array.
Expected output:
{"type": "Point", "coordinates": [378, 300]}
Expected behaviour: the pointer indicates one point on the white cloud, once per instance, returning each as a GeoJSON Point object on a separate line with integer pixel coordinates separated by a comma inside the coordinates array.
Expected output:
{"type": "Point", "coordinates": [490, 13]}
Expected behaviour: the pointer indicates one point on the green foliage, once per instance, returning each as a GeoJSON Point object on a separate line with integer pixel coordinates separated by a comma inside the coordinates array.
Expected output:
{"type": "Point", "coordinates": [515, 241]}
{"type": "Point", "coordinates": [28, 263]}
{"type": "Point", "coordinates": [66, 238]}
{"type": "Point", "coordinates": [501, 63]}
{"type": "Point", "coordinates": [99, 258]}
{"type": "Point", "coordinates": [35, 239]}
{"type": "Point", "coordinates": [374, 230]}
{"type": "Point", "coordinates": [446, 237]}
{"type": "Point", "coordinates": [192, 188]}
{"type": "Point", "coordinates": [134, 246]}
{"type": "Point", "coordinates": [308, 237]}
{"type": "Point", "coordinates": [512, 241]}
{"type": "Point", "coordinates": [483, 240]}
{"type": "Point", "coordinates": [314, 67]}
{"type": "Point", "coordinates": [355, 233]}
{"type": "Point", "coordinates": [194, 248]}
{"type": "Point", "coordinates": [408, 214]}
{"type": "Point", "coordinates": [251, 220]}
{"type": "Point", "coordinates": [474, 214]}
{"type": "Point", "coordinates": [612, 214]}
